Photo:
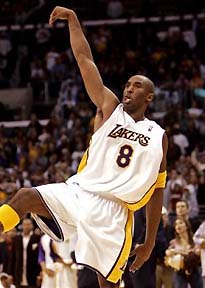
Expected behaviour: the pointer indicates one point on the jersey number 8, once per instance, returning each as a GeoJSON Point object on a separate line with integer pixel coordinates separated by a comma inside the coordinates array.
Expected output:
{"type": "Point", "coordinates": [124, 157]}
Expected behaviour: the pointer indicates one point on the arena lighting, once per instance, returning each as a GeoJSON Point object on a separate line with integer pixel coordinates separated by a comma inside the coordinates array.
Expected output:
{"type": "Point", "coordinates": [188, 17]}
{"type": "Point", "coordinates": [120, 21]}
{"type": "Point", "coordinates": [105, 22]}
{"type": "Point", "coordinates": [21, 123]}
{"type": "Point", "coordinates": [154, 19]}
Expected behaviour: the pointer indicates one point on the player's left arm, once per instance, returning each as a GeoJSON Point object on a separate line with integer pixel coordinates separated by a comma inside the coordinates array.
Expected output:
{"type": "Point", "coordinates": [154, 206]}
{"type": "Point", "coordinates": [153, 216]}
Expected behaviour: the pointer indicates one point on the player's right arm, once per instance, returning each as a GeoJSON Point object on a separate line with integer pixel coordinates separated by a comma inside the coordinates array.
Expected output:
{"type": "Point", "coordinates": [105, 100]}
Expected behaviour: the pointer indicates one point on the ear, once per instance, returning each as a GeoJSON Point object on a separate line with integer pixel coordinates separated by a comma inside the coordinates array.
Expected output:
{"type": "Point", "coordinates": [150, 97]}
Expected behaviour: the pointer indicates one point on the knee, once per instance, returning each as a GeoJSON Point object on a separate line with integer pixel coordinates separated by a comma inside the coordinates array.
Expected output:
{"type": "Point", "coordinates": [25, 194]}
{"type": "Point", "coordinates": [22, 200]}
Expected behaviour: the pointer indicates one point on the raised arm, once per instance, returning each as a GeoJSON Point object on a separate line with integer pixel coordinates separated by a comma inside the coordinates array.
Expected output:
{"type": "Point", "coordinates": [102, 97]}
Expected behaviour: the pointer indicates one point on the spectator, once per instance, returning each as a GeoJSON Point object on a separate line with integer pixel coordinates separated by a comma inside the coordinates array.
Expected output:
{"type": "Point", "coordinates": [164, 274]}
{"type": "Point", "coordinates": [66, 269]}
{"type": "Point", "coordinates": [3, 251]}
{"type": "Point", "coordinates": [182, 212]}
{"type": "Point", "coordinates": [37, 79]}
{"type": "Point", "coordinates": [199, 239]}
{"type": "Point", "coordinates": [6, 281]}
{"type": "Point", "coordinates": [182, 255]}
{"type": "Point", "coordinates": [51, 58]}
{"type": "Point", "coordinates": [173, 153]}
{"type": "Point", "coordinates": [25, 268]}
{"type": "Point", "coordinates": [173, 190]}
{"type": "Point", "coordinates": [9, 241]}
{"type": "Point", "coordinates": [180, 139]}
{"type": "Point", "coordinates": [46, 260]}
{"type": "Point", "coordinates": [115, 8]}
{"type": "Point", "coordinates": [190, 196]}
{"type": "Point", "coordinates": [201, 189]}
{"type": "Point", "coordinates": [198, 160]}
{"type": "Point", "coordinates": [42, 40]}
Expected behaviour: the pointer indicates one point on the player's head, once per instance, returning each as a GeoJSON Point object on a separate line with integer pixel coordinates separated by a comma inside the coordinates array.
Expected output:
{"type": "Point", "coordinates": [138, 93]}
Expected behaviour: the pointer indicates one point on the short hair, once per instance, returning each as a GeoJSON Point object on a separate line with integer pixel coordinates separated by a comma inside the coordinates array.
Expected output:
{"type": "Point", "coordinates": [27, 218]}
{"type": "Point", "coordinates": [182, 200]}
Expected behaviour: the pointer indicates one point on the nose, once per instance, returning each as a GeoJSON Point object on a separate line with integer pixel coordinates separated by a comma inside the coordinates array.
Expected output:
{"type": "Point", "coordinates": [130, 89]}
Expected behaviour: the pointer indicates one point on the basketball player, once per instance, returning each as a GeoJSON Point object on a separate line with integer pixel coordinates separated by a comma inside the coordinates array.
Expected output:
{"type": "Point", "coordinates": [123, 170]}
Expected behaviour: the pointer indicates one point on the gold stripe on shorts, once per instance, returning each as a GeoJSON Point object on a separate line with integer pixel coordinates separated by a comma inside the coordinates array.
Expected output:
{"type": "Point", "coordinates": [116, 273]}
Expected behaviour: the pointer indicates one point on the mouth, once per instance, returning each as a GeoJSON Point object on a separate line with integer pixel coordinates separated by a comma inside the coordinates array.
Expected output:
{"type": "Point", "coordinates": [126, 99]}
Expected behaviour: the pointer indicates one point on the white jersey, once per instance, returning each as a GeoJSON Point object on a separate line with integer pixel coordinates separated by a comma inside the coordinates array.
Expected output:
{"type": "Point", "coordinates": [124, 158]}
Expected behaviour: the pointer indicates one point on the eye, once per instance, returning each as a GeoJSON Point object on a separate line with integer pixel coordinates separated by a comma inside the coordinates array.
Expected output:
{"type": "Point", "coordinates": [127, 85]}
{"type": "Point", "coordinates": [137, 85]}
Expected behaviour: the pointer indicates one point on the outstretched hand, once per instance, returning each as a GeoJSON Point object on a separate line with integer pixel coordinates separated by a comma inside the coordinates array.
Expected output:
{"type": "Point", "coordinates": [60, 13]}
{"type": "Point", "coordinates": [142, 253]}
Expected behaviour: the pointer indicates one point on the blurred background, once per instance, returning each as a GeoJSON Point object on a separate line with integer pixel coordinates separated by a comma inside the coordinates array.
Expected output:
{"type": "Point", "coordinates": [46, 117]}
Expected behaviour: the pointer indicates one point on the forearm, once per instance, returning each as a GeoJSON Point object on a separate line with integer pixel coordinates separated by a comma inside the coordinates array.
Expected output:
{"type": "Point", "coordinates": [79, 44]}
{"type": "Point", "coordinates": [198, 240]}
{"type": "Point", "coordinates": [43, 265]}
{"type": "Point", "coordinates": [153, 216]}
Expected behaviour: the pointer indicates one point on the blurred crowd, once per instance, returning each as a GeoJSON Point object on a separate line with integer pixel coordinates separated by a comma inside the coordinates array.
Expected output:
{"type": "Point", "coordinates": [170, 54]}
{"type": "Point", "coordinates": [173, 57]}
{"type": "Point", "coordinates": [30, 259]}
{"type": "Point", "coordinates": [36, 11]}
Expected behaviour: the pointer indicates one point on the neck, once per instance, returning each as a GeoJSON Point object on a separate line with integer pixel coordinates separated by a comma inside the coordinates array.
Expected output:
{"type": "Point", "coordinates": [183, 217]}
{"type": "Point", "coordinates": [136, 115]}
{"type": "Point", "coordinates": [26, 234]}
{"type": "Point", "coordinates": [184, 236]}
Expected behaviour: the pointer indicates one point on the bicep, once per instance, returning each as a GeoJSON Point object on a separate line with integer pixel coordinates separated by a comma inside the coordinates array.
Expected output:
{"type": "Point", "coordinates": [100, 95]}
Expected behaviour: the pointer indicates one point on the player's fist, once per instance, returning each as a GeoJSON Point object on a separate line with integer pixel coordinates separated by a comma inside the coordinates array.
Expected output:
{"type": "Point", "coordinates": [60, 13]}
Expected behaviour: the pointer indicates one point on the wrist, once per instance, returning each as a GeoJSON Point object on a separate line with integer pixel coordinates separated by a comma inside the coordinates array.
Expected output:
{"type": "Point", "coordinates": [71, 14]}
{"type": "Point", "coordinates": [149, 244]}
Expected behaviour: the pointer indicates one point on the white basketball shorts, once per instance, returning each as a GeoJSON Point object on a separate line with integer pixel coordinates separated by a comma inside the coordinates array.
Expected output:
{"type": "Point", "coordinates": [103, 226]}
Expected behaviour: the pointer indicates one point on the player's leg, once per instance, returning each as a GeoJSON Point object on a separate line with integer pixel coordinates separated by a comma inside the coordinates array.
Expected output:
{"type": "Point", "coordinates": [24, 201]}
{"type": "Point", "coordinates": [106, 284]}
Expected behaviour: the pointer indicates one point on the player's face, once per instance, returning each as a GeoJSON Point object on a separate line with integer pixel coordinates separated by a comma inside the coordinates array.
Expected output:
{"type": "Point", "coordinates": [135, 95]}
